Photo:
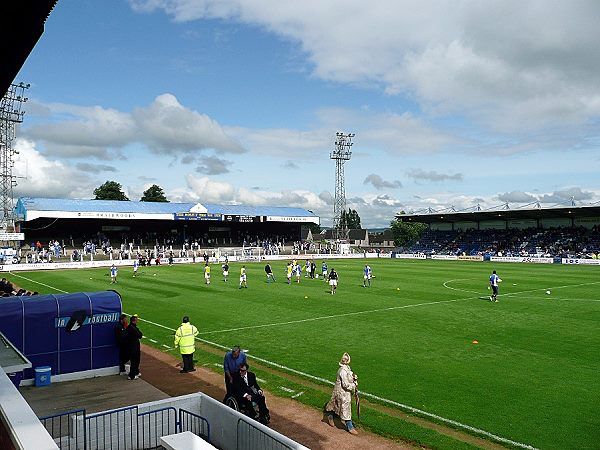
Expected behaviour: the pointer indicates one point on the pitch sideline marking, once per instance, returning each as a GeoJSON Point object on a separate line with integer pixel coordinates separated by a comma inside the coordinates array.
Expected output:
{"type": "Point", "coordinates": [391, 308]}
{"type": "Point", "coordinates": [368, 395]}
{"type": "Point", "coordinates": [333, 316]}
{"type": "Point", "coordinates": [38, 282]}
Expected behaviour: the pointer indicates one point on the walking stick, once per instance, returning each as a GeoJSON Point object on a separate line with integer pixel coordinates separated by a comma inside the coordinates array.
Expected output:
{"type": "Point", "coordinates": [357, 398]}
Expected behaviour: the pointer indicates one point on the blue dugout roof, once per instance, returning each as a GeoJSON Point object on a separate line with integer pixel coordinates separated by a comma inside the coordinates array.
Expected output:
{"type": "Point", "coordinates": [28, 208]}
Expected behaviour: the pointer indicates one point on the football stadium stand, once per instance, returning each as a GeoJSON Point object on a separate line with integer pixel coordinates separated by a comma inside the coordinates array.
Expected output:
{"type": "Point", "coordinates": [104, 223]}
{"type": "Point", "coordinates": [568, 232]}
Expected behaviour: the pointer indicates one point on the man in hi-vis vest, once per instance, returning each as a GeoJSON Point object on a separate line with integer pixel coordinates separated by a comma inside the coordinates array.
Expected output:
{"type": "Point", "coordinates": [185, 340]}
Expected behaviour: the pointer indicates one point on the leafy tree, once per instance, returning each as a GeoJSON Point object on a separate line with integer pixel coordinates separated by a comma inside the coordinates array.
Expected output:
{"type": "Point", "coordinates": [314, 228]}
{"type": "Point", "coordinates": [154, 194]}
{"type": "Point", "coordinates": [406, 233]}
{"type": "Point", "coordinates": [111, 190]}
{"type": "Point", "coordinates": [350, 219]}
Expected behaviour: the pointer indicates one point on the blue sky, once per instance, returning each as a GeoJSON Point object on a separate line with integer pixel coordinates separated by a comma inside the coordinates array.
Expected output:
{"type": "Point", "coordinates": [221, 101]}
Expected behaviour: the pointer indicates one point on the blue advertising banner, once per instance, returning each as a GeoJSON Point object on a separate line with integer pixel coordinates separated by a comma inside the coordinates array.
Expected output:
{"type": "Point", "coordinates": [197, 216]}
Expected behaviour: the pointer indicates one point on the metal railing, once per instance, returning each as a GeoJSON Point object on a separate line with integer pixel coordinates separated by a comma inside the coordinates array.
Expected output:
{"type": "Point", "coordinates": [250, 437]}
{"type": "Point", "coordinates": [152, 425]}
{"type": "Point", "coordinates": [188, 421]}
{"type": "Point", "coordinates": [64, 429]}
{"type": "Point", "coordinates": [121, 429]}
{"type": "Point", "coordinates": [112, 430]}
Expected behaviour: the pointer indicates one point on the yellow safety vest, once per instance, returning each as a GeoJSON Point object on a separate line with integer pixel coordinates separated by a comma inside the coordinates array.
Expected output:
{"type": "Point", "coordinates": [184, 338]}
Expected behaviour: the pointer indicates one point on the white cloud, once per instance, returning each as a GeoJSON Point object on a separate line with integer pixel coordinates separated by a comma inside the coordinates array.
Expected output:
{"type": "Point", "coordinates": [41, 177]}
{"type": "Point", "coordinates": [165, 127]}
{"type": "Point", "coordinates": [517, 197]}
{"type": "Point", "coordinates": [509, 64]}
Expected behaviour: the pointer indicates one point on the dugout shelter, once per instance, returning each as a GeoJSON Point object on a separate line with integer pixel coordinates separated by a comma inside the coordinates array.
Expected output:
{"type": "Point", "coordinates": [70, 333]}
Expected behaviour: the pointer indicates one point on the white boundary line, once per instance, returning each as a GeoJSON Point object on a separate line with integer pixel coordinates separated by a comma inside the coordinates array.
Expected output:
{"type": "Point", "coordinates": [38, 282]}
{"type": "Point", "coordinates": [333, 316]}
{"type": "Point", "coordinates": [458, 289]}
{"type": "Point", "coordinates": [366, 394]}
{"type": "Point", "coordinates": [375, 397]}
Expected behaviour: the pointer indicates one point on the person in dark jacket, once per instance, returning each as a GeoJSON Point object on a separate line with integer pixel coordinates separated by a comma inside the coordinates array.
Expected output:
{"type": "Point", "coordinates": [248, 391]}
{"type": "Point", "coordinates": [121, 338]}
{"type": "Point", "coordinates": [132, 337]}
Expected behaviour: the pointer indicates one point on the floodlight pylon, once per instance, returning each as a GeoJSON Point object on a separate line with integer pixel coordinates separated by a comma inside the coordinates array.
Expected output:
{"type": "Point", "coordinates": [11, 113]}
{"type": "Point", "coordinates": [341, 154]}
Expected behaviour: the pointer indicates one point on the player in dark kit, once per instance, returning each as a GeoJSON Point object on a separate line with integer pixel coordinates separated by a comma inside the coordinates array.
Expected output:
{"type": "Point", "coordinates": [269, 273]}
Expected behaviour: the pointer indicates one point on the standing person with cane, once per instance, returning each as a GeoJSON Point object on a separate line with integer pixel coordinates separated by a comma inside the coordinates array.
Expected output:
{"type": "Point", "coordinates": [346, 383]}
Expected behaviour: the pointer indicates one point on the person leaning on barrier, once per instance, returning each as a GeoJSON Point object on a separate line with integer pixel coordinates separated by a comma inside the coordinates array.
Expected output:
{"type": "Point", "coordinates": [185, 339]}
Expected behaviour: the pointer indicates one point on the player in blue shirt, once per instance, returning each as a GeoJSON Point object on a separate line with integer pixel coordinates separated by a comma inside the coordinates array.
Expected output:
{"type": "Point", "coordinates": [324, 270]}
{"type": "Point", "coordinates": [367, 274]}
{"type": "Point", "coordinates": [494, 280]}
{"type": "Point", "coordinates": [136, 266]}
{"type": "Point", "coordinates": [113, 274]}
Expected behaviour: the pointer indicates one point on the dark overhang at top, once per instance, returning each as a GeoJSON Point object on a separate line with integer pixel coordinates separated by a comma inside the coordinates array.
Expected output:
{"type": "Point", "coordinates": [450, 216]}
{"type": "Point", "coordinates": [21, 26]}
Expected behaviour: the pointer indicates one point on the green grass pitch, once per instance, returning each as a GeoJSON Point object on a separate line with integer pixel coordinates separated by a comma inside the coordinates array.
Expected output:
{"type": "Point", "coordinates": [533, 376]}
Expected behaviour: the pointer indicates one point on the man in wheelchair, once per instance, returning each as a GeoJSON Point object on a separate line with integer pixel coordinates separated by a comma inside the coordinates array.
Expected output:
{"type": "Point", "coordinates": [247, 392]}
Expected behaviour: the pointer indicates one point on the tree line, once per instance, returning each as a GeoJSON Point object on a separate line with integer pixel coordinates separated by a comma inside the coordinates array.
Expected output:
{"type": "Point", "coordinates": [111, 190]}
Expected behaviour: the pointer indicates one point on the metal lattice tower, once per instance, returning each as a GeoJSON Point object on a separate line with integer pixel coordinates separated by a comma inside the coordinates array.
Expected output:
{"type": "Point", "coordinates": [11, 114]}
{"type": "Point", "coordinates": [341, 154]}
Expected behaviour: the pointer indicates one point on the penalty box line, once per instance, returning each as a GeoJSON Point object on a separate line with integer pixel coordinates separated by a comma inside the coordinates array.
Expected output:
{"type": "Point", "coordinates": [323, 380]}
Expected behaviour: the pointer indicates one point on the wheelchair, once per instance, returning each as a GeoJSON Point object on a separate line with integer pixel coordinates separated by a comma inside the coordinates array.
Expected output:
{"type": "Point", "coordinates": [235, 403]}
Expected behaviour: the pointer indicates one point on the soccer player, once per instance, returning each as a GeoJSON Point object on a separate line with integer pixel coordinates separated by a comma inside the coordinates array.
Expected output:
{"type": "Point", "coordinates": [225, 268]}
{"type": "Point", "coordinates": [113, 274]}
{"type": "Point", "coordinates": [333, 280]}
{"type": "Point", "coordinates": [206, 273]}
{"type": "Point", "coordinates": [307, 268]}
{"type": "Point", "coordinates": [269, 273]}
{"type": "Point", "coordinates": [289, 270]}
{"type": "Point", "coordinates": [243, 277]}
{"type": "Point", "coordinates": [298, 270]}
{"type": "Point", "coordinates": [324, 270]}
{"type": "Point", "coordinates": [136, 266]}
{"type": "Point", "coordinates": [494, 280]}
{"type": "Point", "coordinates": [367, 274]}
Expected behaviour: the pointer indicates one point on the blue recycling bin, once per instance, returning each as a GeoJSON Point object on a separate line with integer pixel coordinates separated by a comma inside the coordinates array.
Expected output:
{"type": "Point", "coordinates": [43, 375]}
